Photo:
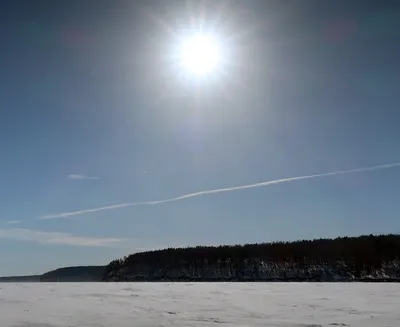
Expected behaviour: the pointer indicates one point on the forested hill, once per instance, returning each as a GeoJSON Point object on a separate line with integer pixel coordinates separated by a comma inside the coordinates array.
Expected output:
{"type": "Point", "coordinates": [363, 258]}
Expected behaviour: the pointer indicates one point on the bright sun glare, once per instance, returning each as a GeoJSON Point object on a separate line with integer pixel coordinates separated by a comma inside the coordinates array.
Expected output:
{"type": "Point", "coordinates": [200, 54]}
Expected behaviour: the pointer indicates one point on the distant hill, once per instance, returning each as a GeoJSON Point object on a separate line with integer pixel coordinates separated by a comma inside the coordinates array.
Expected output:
{"type": "Point", "coordinates": [67, 274]}
{"type": "Point", "coordinates": [363, 258]}
{"type": "Point", "coordinates": [20, 279]}
{"type": "Point", "coordinates": [74, 274]}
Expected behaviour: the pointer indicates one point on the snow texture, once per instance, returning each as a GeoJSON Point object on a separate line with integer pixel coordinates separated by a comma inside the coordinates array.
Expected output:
{"type": "Point", "coordinates": [199, 304]}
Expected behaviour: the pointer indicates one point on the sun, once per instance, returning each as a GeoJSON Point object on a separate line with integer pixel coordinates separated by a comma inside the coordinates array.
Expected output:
{"type": "Point", "coordinates": [200, 54]}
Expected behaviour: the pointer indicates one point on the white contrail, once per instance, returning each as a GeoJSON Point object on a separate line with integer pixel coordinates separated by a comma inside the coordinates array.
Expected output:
{"type": "Point", "coordinates": [76, 176]}
{"type": "Point", "coordinates": [220, 190]}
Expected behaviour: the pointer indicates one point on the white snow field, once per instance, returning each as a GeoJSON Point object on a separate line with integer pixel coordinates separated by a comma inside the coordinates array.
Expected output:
{"type": "Point", "coordinates": [199, 304]}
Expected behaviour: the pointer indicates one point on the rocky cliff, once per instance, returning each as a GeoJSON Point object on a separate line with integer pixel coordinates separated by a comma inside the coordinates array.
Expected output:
{"type": "Point", "coordinates": [363, 258]}
{"type": "Point", "coordinates": [254, 270]}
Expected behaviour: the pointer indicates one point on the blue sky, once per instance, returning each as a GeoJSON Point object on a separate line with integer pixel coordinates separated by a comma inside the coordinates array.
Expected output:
{"type": "Point", "coordinates": [95, 112]}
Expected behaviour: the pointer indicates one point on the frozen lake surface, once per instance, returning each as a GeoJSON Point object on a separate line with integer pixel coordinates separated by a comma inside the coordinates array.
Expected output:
{"type": "Point", "coordinates": [199, 304]}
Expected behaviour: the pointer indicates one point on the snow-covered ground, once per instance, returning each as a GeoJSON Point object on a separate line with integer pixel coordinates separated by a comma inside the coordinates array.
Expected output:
{"type": "Point", "coordinates": [199, 304]}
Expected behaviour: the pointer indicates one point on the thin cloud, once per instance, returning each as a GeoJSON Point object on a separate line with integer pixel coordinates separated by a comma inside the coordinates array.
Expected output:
{"type": "Point", "coordinates": [43, 237]}
{"type": "Point", "coordinates": [76, 176]}
{"type": "Point", "coordinates": [13, 222]}
{"type": "Point", "coordinates": [221, 190]}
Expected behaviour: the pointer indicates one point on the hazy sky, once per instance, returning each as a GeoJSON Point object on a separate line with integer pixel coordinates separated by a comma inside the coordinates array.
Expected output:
{"type": "Point", "coordinates": [96, 111]}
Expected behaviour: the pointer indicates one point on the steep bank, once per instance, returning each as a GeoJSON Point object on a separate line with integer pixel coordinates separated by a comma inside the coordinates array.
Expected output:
{"type": "Point", "coordinates": [364, 258]}
{"type": "Point", "coordinates": [256, 270]}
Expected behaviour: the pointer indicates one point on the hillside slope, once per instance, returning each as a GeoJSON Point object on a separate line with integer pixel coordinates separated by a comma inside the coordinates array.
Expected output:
{"type": "Point", "coordinates": [74, 274]}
